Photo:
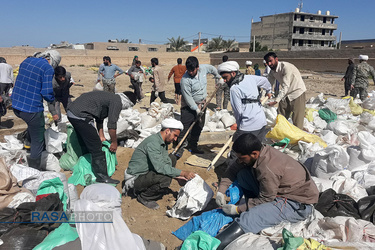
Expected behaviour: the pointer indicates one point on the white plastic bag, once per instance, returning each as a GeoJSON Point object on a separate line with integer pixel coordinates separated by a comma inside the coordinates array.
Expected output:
{"type": "Point", "coordinates": [54, 140]}
{"type": "Point", "coordinates": [193, 197]}
{"type": "Point", "coordinates": [50, 162]}
{"type": "Point", "coordinates": [98, 87]}
{"type": "Point", "coordinates": [367, 144]}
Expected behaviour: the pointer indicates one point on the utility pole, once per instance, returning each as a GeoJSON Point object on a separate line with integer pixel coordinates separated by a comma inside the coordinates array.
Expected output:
{"type": "Point", "coordinates": [253, 43]}
{"type": "Point", "coordinates": [340, 40]}
{"type": "Point", "coordinates": [199, 42]}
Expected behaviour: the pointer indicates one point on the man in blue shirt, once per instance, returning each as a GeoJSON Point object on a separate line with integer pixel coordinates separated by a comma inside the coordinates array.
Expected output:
{"type": "Point", "coordinates": [33, 84]}
{"type": "Point", "coordinates": [194, 93]}
{"type": "Point", "coordinates": [108, 72]}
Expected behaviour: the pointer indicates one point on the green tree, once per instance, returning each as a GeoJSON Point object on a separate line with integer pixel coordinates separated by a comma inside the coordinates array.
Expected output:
{"type": "Point", "coordinates": [216, 44]}
{"type": "Point", "coordinates": [178, 44]}
{"type": "Point", "coordinates": [228, 44]}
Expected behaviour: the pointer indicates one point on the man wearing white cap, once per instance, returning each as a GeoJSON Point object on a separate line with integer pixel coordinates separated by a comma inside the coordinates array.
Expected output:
{"type": "Point", "coordinates": [249, 69]}
{"type": "Point", "coordinates": [93, 107]}
{"type": "Point", "coordinates": [151, 169]}
{"type": "Point", "coordinates": [33, 84]}
{"type": "Point", "coordinates": [361, 72]}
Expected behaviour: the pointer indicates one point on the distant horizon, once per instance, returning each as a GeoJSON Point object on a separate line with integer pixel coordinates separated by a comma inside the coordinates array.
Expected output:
{"type": "Point", "coordinates": [153, 23]}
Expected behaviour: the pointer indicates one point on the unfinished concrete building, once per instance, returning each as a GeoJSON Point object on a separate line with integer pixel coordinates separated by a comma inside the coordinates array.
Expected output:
{"type": "Point", "coordinates": [295, 31]}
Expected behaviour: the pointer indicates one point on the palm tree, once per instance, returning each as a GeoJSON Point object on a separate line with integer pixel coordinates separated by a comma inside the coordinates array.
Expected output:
{"type": "Point", "coordinates": [216, 44]}
{"type": "Point", "coordinates": [177, 44]}
{"type": "Point", "coordinates": [228, 44]}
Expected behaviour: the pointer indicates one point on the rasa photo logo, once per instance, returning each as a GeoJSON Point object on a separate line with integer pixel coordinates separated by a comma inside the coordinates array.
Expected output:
{"type": "Point", "coordinates": [72, 217]}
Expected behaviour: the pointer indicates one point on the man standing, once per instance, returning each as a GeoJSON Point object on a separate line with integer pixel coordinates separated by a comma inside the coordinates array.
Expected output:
{"type": "Point", "coordinates": [220, 89]}
{"type": "Point", "coordinates": [245, 99]}
{"type": "Point", "coordinates": [249, 69]}
{"type": "Point", "coordinates": [348, 75]}
{"type": "Point", "coordinates": [61, 84]}
{"type": "Point", "coordinates": [292, 97]}
{"type": "Point", "coordinates": [96, 106]}
{"type": "Point", "coordinates": [158, 82]}
{"type": "Point", "coordinates": [194, 93]}
{"type": "Point", "coordinates": [361, 73]}
{"type": "Point", "coordinates": [33, 84]}
{"type": "Point", "coordinates": [151, 169]}
{"type": "Point", "coordinates": [109, 74]}
{"type": "Point", "coordinates": [137, 74]}
{"type": "Point", "coordinates": [276, 187]}
{"type": "Point", "coordinates": [178, 71]}
{"type": "Point", "coordinates": [6, 82]}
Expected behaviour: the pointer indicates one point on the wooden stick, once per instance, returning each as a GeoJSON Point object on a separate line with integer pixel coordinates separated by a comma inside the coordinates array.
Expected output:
{"type": "Point", "coordinates": [192, 125]}
{"type": "Point", "coordinates": [222, 150]}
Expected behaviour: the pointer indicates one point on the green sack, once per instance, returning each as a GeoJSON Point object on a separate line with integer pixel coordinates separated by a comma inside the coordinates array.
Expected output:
{"type": "Point", "coordinates": [82, 171]}
{"type": "Point", "coordinates": [200, 240]}
{"type": "Point", "coordinates": [52, 186]}
{"type": "Point", "coordinates": [327, 115]}
{"type": "Point", "coordinates": [283, 143]}
{"type": "Point", "coordinates": [58, 237]}
{"type": "Point", "coordinates": [290, 242]}
{"type": "Point", "coordinates": [74, 150]}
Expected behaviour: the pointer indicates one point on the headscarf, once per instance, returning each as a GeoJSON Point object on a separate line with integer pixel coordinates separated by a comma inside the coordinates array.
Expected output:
{"type": "Point", "coordinates": [256, 66]}
{"type": "Point", "coordinates": [102, 198]}
{"type": "Point", "coordinates": [228, 66]}
{"type": "Point", "coordinates": [351, 59]}
{"type": "Point", "coordinates": [52, 55]}
{"type": "Point", "coordinates": [172, 123]}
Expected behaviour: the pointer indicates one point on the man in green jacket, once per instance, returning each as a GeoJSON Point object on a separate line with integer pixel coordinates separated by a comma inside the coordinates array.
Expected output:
{"type": "Point", "coordinates": [151, 169]}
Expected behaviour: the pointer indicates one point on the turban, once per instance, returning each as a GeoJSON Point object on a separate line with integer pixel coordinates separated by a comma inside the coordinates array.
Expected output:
{"type": "Point", "coordinates": [264, 61]}
{"type": "Point", "coordinates": [52, 55]}
{"type": "Point", "coordinates": [228, 66]}
{"type": "Point", "coordinates": [363, 57]}
{"type": "Point", "coordinates": [249, 63]}
{"type": "Point", "coordinates": [125, 101]}
{"type": "Point", "coordinates": [172, 123]}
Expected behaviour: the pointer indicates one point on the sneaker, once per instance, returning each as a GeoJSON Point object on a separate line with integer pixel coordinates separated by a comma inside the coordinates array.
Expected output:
{"type": "Point", "coordinates": [150, 204]}
{"type": "Point", "coordinates": [106, 179]}
{"type": "Point", "coordinates": [195, 150]}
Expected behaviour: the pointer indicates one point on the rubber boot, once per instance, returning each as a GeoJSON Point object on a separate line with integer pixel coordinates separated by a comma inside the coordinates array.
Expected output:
{"type": "Point", "coordinates": [34, 163]}
{"type": "Point", "coordinates": [229, 234]}
{"type": "Point", "coordinates": [99, 168]}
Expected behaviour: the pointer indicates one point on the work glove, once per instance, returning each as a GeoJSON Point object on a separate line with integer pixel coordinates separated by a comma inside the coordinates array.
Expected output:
{"type": "Point", "coordinates": [230, 209]}
{"type": "Point", "coordinates": [156, 94]}
{"type": "Point", "coordinates": [220, 199]}
{"type": "Point", "coordinates": [221, 82]}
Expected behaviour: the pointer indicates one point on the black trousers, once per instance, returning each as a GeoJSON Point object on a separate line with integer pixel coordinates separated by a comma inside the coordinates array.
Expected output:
{"type": "Point", "coordinates": [161, 96]}
{"type": "Point", "coordinates": [137, 88]}
{"type": "Point", "coordinates": [152, 186]}
{"type": "Point", "coordinates": [188, 116]}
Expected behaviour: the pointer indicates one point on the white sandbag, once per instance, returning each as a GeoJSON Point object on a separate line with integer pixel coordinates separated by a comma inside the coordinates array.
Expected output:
{"type": "Point", "coordinates": [319, 123]}
{"type": "Point", "coordinates": [371, 125]}
{"type": "Point", "coordinates": [367, 144]}
{"type": "Point", "coordinates": [340, 127]}
{"type": "Point", "coordinates": [147, 121]}
{"type": "Point", "coordinates": [253, 241]}
{"type": "Point", "coordinates": [328, 161]}
{"type": "Point", "coordinates": [271, 114]}
{"type": "Point", "coordinates": [318, 101]}
{"type": "Point", "coordinates": [228, 120]}
{"type": "Point", "coordinates": [366, 176]}
{"type": "Point", "coordinates": [308, 126]}
{"type": "Point", "coordinates": [54, 140]}
{"type": "Point", "coordinates": [338, 106]}
{"type": "Point", "coordinates": [137, 76]}
{"type": "Point", "coordinates": [322, 184]}
{"type": "Point", "coordinates": [328, 136]}
{"type": "Point", "coordinates": [98, 87]}
{"type": "Point", "coordinates": [308, 150]}
{"type": "Point", "coordinates": [356, 159]}
{"type": "Point", "coordinates": [369, 103]}
{"type": "Point", "coordinates": [20, 198]}
{"type": "Point", "coordinates": [193, 197]}
{"type": "Point", "coordinates": [50, 162]}
{"type": "Point", "coordinates": [13, 156]}
{"type": "Point", "coordinates": [220, 127]}
{"type": "Point", "coordinates": [344, 184]}
{"type": "Point", "coordinates": [22, 172]}
{"type": "Point", "coordinates": [365, 118]}
{"type": "Point", "coordinates": [11, 143]}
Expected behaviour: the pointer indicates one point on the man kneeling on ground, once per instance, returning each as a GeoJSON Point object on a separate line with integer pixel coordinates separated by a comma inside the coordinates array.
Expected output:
{"type": "Point", "coordinates": [98, 105]}
{"type": "Point", "coordinates": [276, 187]}
{"type": "Point", "coordinates": [151, 169]}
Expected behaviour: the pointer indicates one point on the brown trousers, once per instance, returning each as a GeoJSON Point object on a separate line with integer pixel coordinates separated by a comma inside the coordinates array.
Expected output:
{"type": "Point", "coordinates": [297, 106]}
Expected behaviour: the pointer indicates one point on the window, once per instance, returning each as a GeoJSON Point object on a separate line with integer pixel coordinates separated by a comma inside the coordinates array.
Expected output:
{"type": "Point", "coordinates": [300, 43]}
{"type": "Point", "coordinates": [311, 19]}
{"type": "Point", "coordinates": [152, 49]}
{"type": "Point", "coordinates": [295, 17]}
{"type": "Point", "coordinates": [302, 30]}
{"type": "Point", "coordinates": [133, 48]}
{"type": "Point", "coordinates": [323, 32]}
{"type": "Point", "coordinates": [332, 20]}
{"type": "Point", "coordinates": [324, 19]}
{"type": "Point", "coordinates": [322, 43]}
{"type": "Point", "coordinates": [294, 30]}
{"type": "Point", "coordinates": [302, 18]}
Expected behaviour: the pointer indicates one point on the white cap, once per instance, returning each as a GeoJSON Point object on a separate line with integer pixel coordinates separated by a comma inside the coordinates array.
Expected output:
{"type": "Point", "coordinates": [172, 123]}
{"type": "Point", "coordinates": [249, 63]}
{"type": "Point", "coordinates": [264, 61]}
{"type": "Point", "coordinates": [363, 57]}
{"type": "Point", "coordinates": [51, 54]}
{"type": "Point", "coordinates": [228, 66]}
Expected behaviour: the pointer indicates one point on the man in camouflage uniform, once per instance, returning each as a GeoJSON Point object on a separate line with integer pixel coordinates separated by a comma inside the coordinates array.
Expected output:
{"type": "Point", "coordinates": [361, 72]}
{"type": "Point", "coordinates": [348, 75]}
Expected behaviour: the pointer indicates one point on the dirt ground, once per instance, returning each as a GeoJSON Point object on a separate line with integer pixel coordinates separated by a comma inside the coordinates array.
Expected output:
{"type": "Point", "coordinates": [155, 224]}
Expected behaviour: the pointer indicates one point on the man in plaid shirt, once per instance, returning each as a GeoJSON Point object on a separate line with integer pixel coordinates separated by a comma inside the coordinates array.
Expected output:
{"type": "Point", "coordinates": [33, 84]}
